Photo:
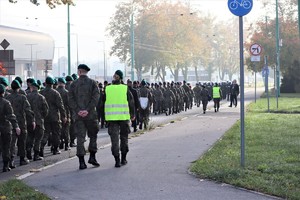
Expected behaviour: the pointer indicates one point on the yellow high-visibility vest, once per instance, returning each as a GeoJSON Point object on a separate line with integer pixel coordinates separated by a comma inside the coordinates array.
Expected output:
{"type": "Point", "coordinates": [216, 92]}
{"type": "Point", "coordinates": [116, 105]}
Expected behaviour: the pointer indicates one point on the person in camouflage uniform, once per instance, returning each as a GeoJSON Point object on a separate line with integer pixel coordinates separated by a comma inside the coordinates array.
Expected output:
{"type": "Point", "coordinates": [56, 116]}
{"type": "Point", "coordinates": [8, 121]}
{"type": "Point", "coordinates": [40, 108]}
{"type": "Point", "coordinates": [5, 83]}
{"type": "Point", "coordinates": [70, 80]}
{"type": "Point", "coordinates": [65, 131]}
{"type": "Point", "coordinates": [119, 110]}
{"type": "Point", "coordinates": [197, 96]}
{"type": "Point", "coordinates": [23, 111]}
{"type": "Point", "coordinates": [83, 98]}
{"type": "Point", "coordinates": [168, 99]}
{"type": "Point", "coordinates": [144, 112]}
{"type": "Point", "coordinates": [204, 97]}
{"type": "Point", "coordinates": [134, 93]}
{"type": "Point", "coordinates": [157, 99]}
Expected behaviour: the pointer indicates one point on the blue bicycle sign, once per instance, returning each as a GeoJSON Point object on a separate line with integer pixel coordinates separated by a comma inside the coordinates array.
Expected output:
{"type": "Point", "coordinates": [240, 7]}
{"type": "Point", "coordinates": [235, 4]}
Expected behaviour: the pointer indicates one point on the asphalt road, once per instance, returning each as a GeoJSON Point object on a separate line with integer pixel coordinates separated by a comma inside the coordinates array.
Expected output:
{"type": "Point", "coordinates": [158, 163]}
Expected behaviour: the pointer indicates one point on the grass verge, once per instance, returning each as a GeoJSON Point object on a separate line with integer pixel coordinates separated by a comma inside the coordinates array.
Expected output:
{"type": "Point", "coordinates": [16, 190]}
{"type": "Point", "coordinates": [272, 154]}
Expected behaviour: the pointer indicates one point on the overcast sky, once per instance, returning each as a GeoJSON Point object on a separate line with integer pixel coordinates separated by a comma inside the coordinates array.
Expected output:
{"type": "Point", "coordinates": [89, 18]}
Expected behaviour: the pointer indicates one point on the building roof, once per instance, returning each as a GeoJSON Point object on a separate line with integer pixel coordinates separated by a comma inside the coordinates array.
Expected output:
{"type": "Point", "coordinates": [21, 41]}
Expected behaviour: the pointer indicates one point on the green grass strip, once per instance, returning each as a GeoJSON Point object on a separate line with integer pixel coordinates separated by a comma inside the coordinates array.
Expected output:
{"type": "Point", "coordinates": [272, 153]}
{"type": "Point", "coordinates": [17, 190]}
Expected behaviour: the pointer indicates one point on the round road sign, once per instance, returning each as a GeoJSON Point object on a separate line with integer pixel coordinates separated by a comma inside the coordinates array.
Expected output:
{"type": "Point", "coordinates": [255, 49]}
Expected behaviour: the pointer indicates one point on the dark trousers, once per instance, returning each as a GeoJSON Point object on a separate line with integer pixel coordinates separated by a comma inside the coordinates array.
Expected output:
{"type": "Point", "coordinates": [118, 132]}
{"type": "Point", "coordinates": [217, 103]}
{"type": "Point", "coordinates": [65, 133]}
{"type": "Point", "coordinates": [233, 99]}
{"type": "Point", "coordinates": [89, 128]}
{"type": "Point", "coordinates": [5, 133]}
{"type": "Point", "coordinates": [20, 141]}
{"type": "Point", "coordinates": [52, 130]}
{"type": "Point", "coordinates": [34, 138]}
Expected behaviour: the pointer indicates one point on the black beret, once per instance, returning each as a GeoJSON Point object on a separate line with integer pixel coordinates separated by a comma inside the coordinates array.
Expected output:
{"type": "Point", "coordinates": [119, 73]}
{"type": "Point", "coordinates": [74, 76]}
{"type": "Point", "coordinates": [2, 89]}
{"type": "Point", "coordinates": [15, 85]}
{"type": "Point", "coordinates": [84, 67]}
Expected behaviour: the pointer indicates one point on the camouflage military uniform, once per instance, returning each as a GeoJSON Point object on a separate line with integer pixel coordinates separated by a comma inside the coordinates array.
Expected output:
{"type": "Point", "coordinates": [197, 96]}
{"type": "Point", "coordinates": [84, 95]}
{"type": "Point", "coordinates": [22, 110]}
{"type": "Point", "coordinates": [53, 119]}
{"type": "Point", "coordinates": [40, 108]}
{"type": "Point", "coordinates": [7, 122]}
{"type": "Point", "coordinates": [65, 131]}
{"type": "Point", "coordinates": [144, 113]}
{"type": "Point", "coordinates": [204, 96]}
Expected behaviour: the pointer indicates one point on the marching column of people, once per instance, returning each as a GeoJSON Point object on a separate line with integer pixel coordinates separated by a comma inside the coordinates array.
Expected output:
{"type": "Point", "coordinates": [58, 112]}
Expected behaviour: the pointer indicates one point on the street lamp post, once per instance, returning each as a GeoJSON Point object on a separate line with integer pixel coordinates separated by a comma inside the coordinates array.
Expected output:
{"type": "Point", "coordinates": [132, 47]}
{"type": "Point", "coordinates": [104, 58]}
{"type": "Point", "coordinates": [277, 53]}
{"type": "Point", "coordinates": [69, 42]}
{"type": "Point", "coordinates": [77, 57]}
{"type": "Point", "coordinates": [58, 59]}
{"type": "Point", "coordinates": [36, 67]}
{"type": "Point", "coordinates": [30, 67]}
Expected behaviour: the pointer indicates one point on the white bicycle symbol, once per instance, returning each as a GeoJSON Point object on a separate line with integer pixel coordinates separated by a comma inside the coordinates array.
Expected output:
{"type": "Point", "coordinates": [235, 4]}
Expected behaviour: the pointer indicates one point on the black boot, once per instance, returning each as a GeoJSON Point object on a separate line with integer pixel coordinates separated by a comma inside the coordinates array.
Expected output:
{"type": "Point", "coordinates": [12, 163]}
{"type": "Point", "coordinates": [28, 154]}
{"type": "Point", "coordinates": [82, 164]}
{"type": "Point", "coordinates": [123, 159]}
{"type": "Point", "coordinates": [6, 168]}
{"type": "Point", "coordinates": [23, 161]}
{"type": "Point", "coordinates": [67, 146]}
{"type": "Point", "coordinates": [56, 151]}
{"type": "Point", "coordinates": [37, 156]}
{"type": "Point", "coordinates": [92, 159]}
{"type": "Point", "coordinates": [41, 153]}
{"type": "Point", "coordinates": [117, 159]}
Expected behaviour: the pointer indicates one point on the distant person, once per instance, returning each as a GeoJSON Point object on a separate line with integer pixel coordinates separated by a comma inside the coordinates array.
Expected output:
{"type": "Point", "coordinates": [234, 93]}
{"type": "Point", "coordinates": [205, 97]}
{"type": "Point", "coordinates": [217, 96]}
{"type": "Point", "coordinates": [83, 99]}
{"type": "Point", "coordinates": [119, 110]}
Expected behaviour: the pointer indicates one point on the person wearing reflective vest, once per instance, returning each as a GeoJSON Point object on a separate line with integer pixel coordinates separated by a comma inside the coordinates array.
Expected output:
{"type": "Point", "coordinates": [119, 110]}
{"type": "Point", "coordinates": [217, 95]}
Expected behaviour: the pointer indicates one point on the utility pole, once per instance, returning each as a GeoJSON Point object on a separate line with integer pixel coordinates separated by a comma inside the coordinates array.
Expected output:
{"type": "Point", "coordinates": [104, 58]}
{"type": "Point", "coordinates": [277, 53]}
{"type": "Point", "coordinates": [30, 67]}
{"type": "Point", "coordinates": [69, 42]}
{"type": "Point", "coordinates": [132, 47]}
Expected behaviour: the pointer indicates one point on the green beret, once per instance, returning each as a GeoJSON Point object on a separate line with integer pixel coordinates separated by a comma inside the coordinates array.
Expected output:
{"type": "Point", "coordinates": [4, 81]}
{"type": "Point", "coordinates": [69, 78]}
{"type": "Point", "coordinates": [30, 80]}
{"type": "Point", "coordinates": [39, 82]}
{"type": "Point", "coordinates": [35, 84]}
{"type": "Point", "coordinates": [15, 85]}
{"type": "Point", "coordinates": [119, 73]}
{"type": "Point", "coordinates": [84, 67]}
{"type": "Point", "coordinates": [143, 82]}
{"type": "Point", "coordinates": [49, 80]}
{"type": "Point", "coordinates": [18, 78]}
{"type": "Point", "coordinates": [2, 89]}
{"type": "Point", "coordinates": [62, 80]}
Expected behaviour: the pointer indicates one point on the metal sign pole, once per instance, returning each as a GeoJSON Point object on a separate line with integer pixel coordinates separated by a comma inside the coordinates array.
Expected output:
{"type": "Point", "coordinates": [242, 92]}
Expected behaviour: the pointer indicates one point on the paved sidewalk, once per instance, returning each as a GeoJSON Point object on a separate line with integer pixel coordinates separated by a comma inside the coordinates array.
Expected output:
{"type": "Point", "coordinates": [157, 168]}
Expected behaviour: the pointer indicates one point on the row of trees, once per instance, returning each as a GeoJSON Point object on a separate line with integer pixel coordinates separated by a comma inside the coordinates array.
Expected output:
{"type": "Point", "coordinates": [168, 36]}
